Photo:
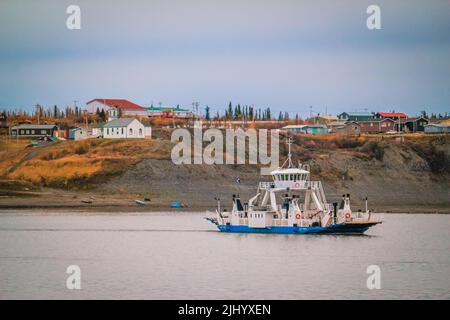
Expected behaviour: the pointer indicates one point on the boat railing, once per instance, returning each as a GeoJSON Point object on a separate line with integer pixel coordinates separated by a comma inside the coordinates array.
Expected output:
{"type": "Point", "coordinates": [366, 217]}
{"type": "Point", "coordinates": [243, 221]}
{"type": "Point", "coordinates": [329, 207]}
{"type": "Point", "coordinates": [266, 185]}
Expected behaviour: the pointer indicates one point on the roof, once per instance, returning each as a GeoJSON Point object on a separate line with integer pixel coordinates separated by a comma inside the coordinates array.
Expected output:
{"type": "Point", "coordinates": [122, 122]}
{"type": "Point", "coordinates": [359, 114]}
{"type": "Point", "coordinates": [336, 123]}
{"type": "Point", "coordinates": [119, 103]}
{"type": "Point", "coordinates": [439, 125]}
{"type": "Point", "coordinates": [300, 126]}
{"type": "Point", "coordinates": [165, 109]}
{"type": "Point", "coordinates": [375, 120]}
{"type": "Point", "coordinates": [294, 126]}
{"type": "Point", "coordinates": [393, 114]}
{"type": "Point", "coordinates": [316, 126]}
{"type": "Point", "coordinates": [34, 126]}
{"type": "Point", "coordinates": [289, 171]}
{"type": "Point", "coordinates": [327, 117]}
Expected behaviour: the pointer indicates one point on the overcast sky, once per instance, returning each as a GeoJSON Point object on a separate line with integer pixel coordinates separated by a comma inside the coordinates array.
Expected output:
{"type": "Point", "coordinates": [286, 55]}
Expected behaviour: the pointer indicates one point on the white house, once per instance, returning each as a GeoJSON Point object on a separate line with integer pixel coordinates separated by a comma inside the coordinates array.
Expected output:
{"type": "Point", "coordinates": [97, 130]}
{"type": "Point", "coordinates": [147, 131]}
{"type": "Point", "coordinates": [78, 134]}
{"type": "Point", "coordinates": [125, 128]}
{"type": "Point", "coordinates": [125, 107]}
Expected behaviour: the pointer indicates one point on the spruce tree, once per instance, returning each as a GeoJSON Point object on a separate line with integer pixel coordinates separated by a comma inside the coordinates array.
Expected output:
{"type": "Point", "coordinates": [207, 115]}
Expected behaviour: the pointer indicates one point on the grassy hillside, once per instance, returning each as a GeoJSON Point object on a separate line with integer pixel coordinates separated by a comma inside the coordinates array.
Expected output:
{"type": "Point", "coordinates": [398, 175]}
{"type": "Point", "coordinates": [74, 164]}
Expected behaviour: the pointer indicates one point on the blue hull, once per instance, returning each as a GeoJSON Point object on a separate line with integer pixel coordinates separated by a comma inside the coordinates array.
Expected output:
{"type": "Point", "coordinates": [333, 229]}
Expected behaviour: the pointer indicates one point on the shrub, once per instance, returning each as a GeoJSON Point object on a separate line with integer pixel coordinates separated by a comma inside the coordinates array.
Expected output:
{"type": "Point", "coordinates": [438, 160]}
{"type": "Point", "coordinates": [81, 149]}
{"type": "Point", "coordinates": [373, 149]}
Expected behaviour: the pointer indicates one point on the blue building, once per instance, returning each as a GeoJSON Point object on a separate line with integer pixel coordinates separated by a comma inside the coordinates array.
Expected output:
{"type": "Point", "coordinates": [308, 129]}
{"type": "Point", "coordinates": [437, 128]}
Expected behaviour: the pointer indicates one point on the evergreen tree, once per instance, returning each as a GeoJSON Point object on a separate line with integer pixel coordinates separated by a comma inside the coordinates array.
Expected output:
{"type": "Point", "coordinates": [230, 111]}
{"type": "Point", "coordinates": [250, 113]}
{"type": "Point", "coordinates": [280, 116]}
{"type": "Point", "coordinates": [103, 115]}
{"type": "Point", "coordinates": [207, 115]}
{"type": "Point", "coordinates": [268, 114]}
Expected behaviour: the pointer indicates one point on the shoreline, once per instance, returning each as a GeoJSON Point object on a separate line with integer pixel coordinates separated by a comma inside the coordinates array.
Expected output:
{"type": "Point", "coordinates": [55, 200]}
{"type": "Point", "coordinates": [126, 209]}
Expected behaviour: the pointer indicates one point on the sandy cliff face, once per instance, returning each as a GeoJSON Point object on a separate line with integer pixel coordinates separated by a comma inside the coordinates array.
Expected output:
{"type": "Point", "coordinates": [412, 175]}
{"type": "Point", "coordinates": [401, 181]}
{"type": "Point", "coordinates": [398, 177]}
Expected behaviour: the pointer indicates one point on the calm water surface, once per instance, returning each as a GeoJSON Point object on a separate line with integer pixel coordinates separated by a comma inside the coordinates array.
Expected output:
{"type": "Point", "coordinates": [181, 256]}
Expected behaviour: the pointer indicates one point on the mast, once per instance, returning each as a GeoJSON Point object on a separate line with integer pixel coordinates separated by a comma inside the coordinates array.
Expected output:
{"type": "Point", "coordinates": [289, 141]}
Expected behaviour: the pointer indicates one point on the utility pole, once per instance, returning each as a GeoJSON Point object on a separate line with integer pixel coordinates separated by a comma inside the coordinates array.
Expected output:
{"type": "Point", "coordinates": [37, 113]}
{"type": "Point", "coordinates": [195, 105]}
{"type": "Point", "coordinates": [86, 123]}
{"type": "Point", "coordinates": [76, 109]}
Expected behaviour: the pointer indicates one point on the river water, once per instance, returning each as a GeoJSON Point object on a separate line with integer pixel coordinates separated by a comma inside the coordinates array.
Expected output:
{"type": "Point", "coordinates": [182, 256]}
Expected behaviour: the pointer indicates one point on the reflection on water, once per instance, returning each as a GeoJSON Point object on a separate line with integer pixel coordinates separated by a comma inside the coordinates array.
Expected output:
{"type": "Point", "coordinates": [180, 255]}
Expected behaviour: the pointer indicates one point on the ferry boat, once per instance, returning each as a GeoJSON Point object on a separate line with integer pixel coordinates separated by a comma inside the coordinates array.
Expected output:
{"type": "Point", "coordinates": [303, 208]}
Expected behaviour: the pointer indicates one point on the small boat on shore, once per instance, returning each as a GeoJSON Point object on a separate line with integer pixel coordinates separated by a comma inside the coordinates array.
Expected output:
{"type": "Point", "coordinates": [303, 209]}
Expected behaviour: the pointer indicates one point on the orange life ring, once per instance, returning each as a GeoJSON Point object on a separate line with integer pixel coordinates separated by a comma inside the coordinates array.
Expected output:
{"type": "Point", "coordinates": [298, 216]}
{"type": "Point", "coordinates": [347, 215]}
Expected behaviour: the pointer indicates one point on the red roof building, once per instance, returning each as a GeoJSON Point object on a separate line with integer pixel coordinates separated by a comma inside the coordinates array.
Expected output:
{"type": "Point", "coordinates": [127, 108]}
{"type": "Point", "coordinates": [391, 115]}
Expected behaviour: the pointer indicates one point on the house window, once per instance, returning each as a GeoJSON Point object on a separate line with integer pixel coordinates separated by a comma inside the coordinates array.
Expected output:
{"type": "Point", "coordinates": [140, 131]}
{"type": "Point", "coordinates": [28, 131]}
{"type": "Point", "coordinates": [131, 131]}
{"type": "Point", "coordinates": [122, 130]}
{"type": "Point", "coordinates": [32, 131]}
